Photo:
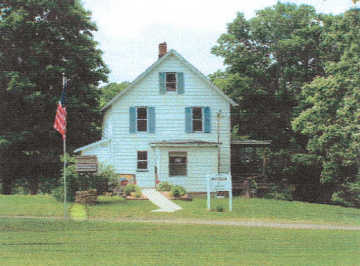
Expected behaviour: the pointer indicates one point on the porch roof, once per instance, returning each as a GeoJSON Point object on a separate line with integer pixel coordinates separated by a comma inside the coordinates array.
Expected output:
{"type": "Point", "coordinates": [184, 143]}
{"type": "Point", "coordinates": [251, 142]}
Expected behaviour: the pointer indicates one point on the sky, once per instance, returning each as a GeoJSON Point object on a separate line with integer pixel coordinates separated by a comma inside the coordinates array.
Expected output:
{"type": "Point", "coordinates": [129, 32]}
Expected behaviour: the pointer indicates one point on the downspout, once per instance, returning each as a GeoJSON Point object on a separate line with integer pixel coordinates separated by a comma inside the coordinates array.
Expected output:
{"type": "Point", "coordinates": [218, 116]}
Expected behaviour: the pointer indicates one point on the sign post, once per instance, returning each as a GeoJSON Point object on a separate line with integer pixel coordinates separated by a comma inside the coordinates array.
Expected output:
{"type": "Point", "coordinates": [216, 183]}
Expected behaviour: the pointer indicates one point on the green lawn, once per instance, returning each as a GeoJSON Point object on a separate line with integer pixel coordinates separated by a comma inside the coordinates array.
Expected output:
{"type": "Point", "coordinates": [28, 205]}
{"type": "Point", "coordinates": [243, 209]}
{"type": "Point", "coordinates": [58, 242]}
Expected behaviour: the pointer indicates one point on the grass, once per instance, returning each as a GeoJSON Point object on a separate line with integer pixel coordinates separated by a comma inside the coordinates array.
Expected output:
{"type": "Point", "coordinates": [243, 209]}
{"type": "Point", "coordinates": [56, 242]}
{"type": "Point", "coordinates": [28, 205]}
{"type": "Point", "coordinates": [78, 212]}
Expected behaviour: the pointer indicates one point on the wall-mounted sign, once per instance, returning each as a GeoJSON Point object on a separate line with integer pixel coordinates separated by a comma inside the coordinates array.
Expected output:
{"type": "Point", "coordinates": [86, 164]}
{"type": "Point", "coordinates": [219, 183]}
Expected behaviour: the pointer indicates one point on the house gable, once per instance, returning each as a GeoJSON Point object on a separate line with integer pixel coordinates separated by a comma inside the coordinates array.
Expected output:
{"type": "Point", "coordinates": [168, 129]}
{"type": "Point", "coordinates": [156, 67]}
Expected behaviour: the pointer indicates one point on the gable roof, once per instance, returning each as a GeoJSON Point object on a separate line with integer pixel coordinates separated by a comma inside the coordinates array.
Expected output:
{"type": "Point", "coordinates": [91, 145]}
{"type": "Point", "coordinates": [158, 62]}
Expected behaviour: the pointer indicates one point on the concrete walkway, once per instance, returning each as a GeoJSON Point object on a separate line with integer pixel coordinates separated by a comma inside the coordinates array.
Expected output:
{"type": "Point", "coordinates": [160, 200]}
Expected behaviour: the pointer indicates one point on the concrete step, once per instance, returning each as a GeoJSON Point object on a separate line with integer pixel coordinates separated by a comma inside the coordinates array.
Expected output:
{"type": "Point", "coordinates": [160, 200]}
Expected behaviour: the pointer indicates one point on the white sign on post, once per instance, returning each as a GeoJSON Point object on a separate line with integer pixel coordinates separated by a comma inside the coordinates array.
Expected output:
{"type": "Point", "coordinates": [219, 182]}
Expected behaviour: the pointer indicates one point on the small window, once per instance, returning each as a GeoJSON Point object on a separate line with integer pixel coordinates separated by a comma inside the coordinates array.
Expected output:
{"type": "Point", "coordinates": [171, 81]}
{"type": "Point", "coordinates": [197, 119]}
{"type": "Point", "coordinates": [141, 117]}
{"type": "Point", "coordinates": [142, 160]}
{"type": "Point", "coordinates": [177, 164]}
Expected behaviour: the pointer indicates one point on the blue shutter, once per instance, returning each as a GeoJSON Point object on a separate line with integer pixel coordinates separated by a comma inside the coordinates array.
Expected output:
{"type": "Point", "coordinates": [132, 119]}
{"type": "Point", "coordinates": [151, 118]}
{"type": "Point", "coordinates": [207, 121]}
{"type": "Point", "coordinates": [162, 79]}
{"type": "Point", "coordinates": [180, 83]}
{"type": "Point", "coordinates": [188, 120]}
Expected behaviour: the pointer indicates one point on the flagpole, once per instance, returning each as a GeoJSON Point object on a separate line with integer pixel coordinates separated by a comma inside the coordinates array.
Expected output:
{"type": "Point", "coordinates": [64, 141]}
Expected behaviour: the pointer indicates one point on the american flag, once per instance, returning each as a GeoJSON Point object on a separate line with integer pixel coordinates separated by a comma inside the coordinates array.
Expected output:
{"type": "Point", "coordinates": [60, 118]}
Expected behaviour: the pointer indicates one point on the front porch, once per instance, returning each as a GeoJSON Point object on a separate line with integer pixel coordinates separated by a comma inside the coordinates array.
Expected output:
{"type": "Point", "coordinates": [248, 165]}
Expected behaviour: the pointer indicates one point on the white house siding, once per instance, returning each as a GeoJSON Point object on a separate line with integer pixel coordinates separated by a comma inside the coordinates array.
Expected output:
{"type": "Point", "coordinates": [170, 125]}
{"type": "Point", "coordinates": [101, 151]}
{"type": "Point", "coordinates": [200, 162]}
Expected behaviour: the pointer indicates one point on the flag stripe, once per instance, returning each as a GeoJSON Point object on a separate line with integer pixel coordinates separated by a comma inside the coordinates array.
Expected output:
{"type": "Point", "coordinates": [60, 117]}
{"type": "Point", "coordinates": [60, 120]}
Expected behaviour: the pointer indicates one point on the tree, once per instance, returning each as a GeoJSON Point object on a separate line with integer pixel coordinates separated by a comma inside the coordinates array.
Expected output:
{"type": "Point", "coordinates": [332, 119]}
{"type": "Point", "coordinates": [40, 40]}
{"type": "Point", "coordinates": [269, 59]}
{"type": "Point", "coordinates": [110, 90]}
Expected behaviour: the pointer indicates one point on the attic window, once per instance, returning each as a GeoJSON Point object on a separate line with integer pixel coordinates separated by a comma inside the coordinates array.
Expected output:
{"type": "Point", "coordinates": [170, 81]}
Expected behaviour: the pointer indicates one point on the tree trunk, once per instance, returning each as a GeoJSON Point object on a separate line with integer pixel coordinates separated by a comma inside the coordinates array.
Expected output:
{"type": "Point", "coordinates": [326, 192]}
{"type": "Point", "coordinates": [34, 185]}
{"type": "Point", "coordinates": [6, 186]}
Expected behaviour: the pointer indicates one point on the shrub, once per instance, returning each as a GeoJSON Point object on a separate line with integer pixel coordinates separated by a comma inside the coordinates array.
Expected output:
{"type": "Point", "coordinates": [132, 188]}
{"type": "Point", "coordinates": [164, 186]}
{"type": "Point", "coordinates": [58, 193]}
{"type": "Point", "coordinates": [138, 194]}
{"type": "Point", "coordinates": [349, 194]}
{"type": "Point", "coordinates": [82, 182]}
{"type": "Point", "coordinates": [220, 208]}
{"type": "Point", "coordinates": [279, 193]}
{"type": "Point", "coordinates": [178, 191]}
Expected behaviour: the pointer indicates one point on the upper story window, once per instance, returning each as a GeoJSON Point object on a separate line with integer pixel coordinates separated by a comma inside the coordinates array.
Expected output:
{"type": "Point", "coordinates": [142, 119]}
{"type": "Point", "coordinates": [171, 81]}
{"type": "Point", "coordinates": [197, 119]}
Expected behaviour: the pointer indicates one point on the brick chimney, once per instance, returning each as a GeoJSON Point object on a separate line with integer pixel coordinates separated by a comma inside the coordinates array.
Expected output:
{"type": "Point", "coordinates": [162, 49]}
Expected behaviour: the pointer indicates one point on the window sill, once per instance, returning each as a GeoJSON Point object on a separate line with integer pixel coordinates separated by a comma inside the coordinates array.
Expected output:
{"type": "Point", "coordinates": [178, 176]}
{"type": "Point", "coordinates": [142, 170]}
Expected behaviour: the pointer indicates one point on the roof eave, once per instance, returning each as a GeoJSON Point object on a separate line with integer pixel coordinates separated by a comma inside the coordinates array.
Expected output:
{"type": "Point", "coordinates": [102, 141]}
{"type": "Point", "coordinates": [136, 80]}
{"type": "Point", "coordinates": [156, 63]}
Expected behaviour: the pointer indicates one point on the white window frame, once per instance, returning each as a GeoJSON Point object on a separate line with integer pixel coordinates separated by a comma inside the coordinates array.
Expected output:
{"type": "Point", "coordinates": [137, 162]}
{"type": "Point", "coordinates": [198, 119]}
{"type": "Point", "coordinates": [179, 154]}
{"type": "Point", "coordinates": [174, 82]}
{"type": "Point", "coordinates": [143, 119]}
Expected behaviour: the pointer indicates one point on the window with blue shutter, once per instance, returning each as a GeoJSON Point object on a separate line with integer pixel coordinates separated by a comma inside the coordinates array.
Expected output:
{"type": "Point", "coordinates": [132, 119]}
{"type": "Point", "coordinates": [162, 81]}
{"type": "Point", "coordinates": [151, 116]}
{"type": "Point", "coordinates": [207, 121]}
{"type": "Point", "coordinates": [180, 82]}
{"type": "Point", "coordinates": [171, 81]}
{"type": "Point", "coordinates": [197, 119]}
{"type": "Point", "coordinates": [142, 119]}
{"type": "Point", "coordinates": [188, 119]}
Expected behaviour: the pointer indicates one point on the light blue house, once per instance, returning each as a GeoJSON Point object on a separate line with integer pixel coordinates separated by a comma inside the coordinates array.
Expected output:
{"type": "Point", "coordinates": [171, 124]}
